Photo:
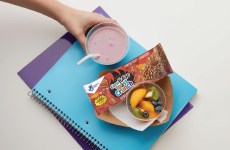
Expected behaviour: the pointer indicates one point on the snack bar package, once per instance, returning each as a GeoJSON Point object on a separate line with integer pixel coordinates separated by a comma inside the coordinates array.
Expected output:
{"type": "Point", "coordinates": [113, 87]}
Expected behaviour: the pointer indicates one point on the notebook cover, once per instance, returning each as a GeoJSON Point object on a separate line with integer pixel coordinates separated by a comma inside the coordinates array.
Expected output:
{"type": "Point", "coordinates": [188, 107]}
{"type": "Point", "coordinates": [33, 72]}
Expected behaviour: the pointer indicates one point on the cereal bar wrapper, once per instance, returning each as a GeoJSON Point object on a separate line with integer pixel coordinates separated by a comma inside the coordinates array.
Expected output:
{"type": "Point", "coordinates": [113, 87]}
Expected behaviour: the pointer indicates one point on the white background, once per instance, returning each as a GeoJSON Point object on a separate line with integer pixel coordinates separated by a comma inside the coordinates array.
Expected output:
{"type": "Point", "coordinates": [195, 35]}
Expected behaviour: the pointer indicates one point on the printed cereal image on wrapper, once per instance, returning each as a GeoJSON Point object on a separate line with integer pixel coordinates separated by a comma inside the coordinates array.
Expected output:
{"type": "Point", "coordinates": [112, 88]}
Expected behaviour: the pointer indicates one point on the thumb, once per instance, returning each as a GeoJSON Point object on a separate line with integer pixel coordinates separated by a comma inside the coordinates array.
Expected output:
{"type": "Point", "coordinates": [82, 39]}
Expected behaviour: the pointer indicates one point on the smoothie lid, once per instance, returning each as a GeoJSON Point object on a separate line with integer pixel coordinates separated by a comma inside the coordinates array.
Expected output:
{"type": "Point", "coordinates": [107, 24]}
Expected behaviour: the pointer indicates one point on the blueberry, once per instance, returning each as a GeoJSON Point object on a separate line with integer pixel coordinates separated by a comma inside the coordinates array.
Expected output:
{"type": "Point", "coordinates": [158, 109]}
{"type": "Point", "coordinates": [159, 99]}
{"type": "Point", "coordinates": [159, 103]}
{"type": "Point", "coordinates": [145, 114]}
{"type": "Point", "coordinates": [154, 104]}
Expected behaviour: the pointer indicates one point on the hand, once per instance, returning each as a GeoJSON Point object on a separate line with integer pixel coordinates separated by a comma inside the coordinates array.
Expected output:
{"type": "Point", "coordinates": [77, 22]}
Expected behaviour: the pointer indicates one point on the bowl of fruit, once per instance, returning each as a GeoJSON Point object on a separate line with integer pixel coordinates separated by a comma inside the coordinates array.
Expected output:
{"type": "Point", "coordinates": [145, 101]}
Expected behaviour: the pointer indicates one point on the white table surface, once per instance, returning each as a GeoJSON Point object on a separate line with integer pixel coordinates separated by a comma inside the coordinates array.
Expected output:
{"type": "Point", "coordinates": [195, 35]}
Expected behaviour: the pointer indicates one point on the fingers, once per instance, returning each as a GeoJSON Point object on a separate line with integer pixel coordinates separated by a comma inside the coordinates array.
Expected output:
{"type": "Point", "coordinates": [100, 19]}
{"type": "Point", "coordinates": [108, 20]}
{"type": "Point", "coordinates": [111, 20]}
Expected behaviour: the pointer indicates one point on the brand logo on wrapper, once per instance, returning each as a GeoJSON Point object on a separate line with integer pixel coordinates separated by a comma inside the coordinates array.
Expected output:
{"type": "Point", "coordinates": [122, 82]}
{"type": "Point", "coordinates": [91, 87]}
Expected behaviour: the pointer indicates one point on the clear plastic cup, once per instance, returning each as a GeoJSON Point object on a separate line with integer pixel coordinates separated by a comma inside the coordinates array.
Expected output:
{"type": "Point", "coordinates": [107, 24]}
{"type": "Point", "coordinates": [145, 85]}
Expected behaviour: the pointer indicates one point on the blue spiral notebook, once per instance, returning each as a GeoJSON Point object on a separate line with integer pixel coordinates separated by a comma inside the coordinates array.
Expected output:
{"type": "Point", "coordinates": [62, 88]}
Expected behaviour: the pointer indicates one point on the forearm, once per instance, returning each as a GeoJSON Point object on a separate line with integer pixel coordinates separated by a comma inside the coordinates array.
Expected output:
{"type": "Point", "coordinates": [50, 8]}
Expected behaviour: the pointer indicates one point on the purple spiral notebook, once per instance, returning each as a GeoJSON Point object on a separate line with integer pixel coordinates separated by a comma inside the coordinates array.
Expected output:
{"type": "Point", "coordinates": [35, 70]}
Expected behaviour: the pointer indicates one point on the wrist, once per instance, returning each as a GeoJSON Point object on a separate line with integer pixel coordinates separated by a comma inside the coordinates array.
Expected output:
{"type": "Point", "coordinates": [64, 14]}
{"type": "Point", "coordinates": [60, 13]}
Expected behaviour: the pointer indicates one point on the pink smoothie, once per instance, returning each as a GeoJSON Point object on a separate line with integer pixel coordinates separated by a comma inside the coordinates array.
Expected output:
{"type": "Point", "coordinates": [109, 42]}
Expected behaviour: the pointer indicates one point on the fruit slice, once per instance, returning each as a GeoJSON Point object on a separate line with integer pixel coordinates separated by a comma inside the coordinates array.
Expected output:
{"type": "Point", "coordinates": [155, 95]}
{"type": "Point", "coordinates": [141, 110]}
{"type": "Point", "coordinates": [149, 94]}
{"type": "Point", "coordinates": [146, 105]}
{"type": "Point", "coordinates": [136, 112]}
{"type": "Point", "coordinates": [137, 96]}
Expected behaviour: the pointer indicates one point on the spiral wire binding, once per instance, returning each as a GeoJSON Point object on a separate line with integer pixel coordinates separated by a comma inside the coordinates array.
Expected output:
{"type": "Point", "coordinates": [66, 121]}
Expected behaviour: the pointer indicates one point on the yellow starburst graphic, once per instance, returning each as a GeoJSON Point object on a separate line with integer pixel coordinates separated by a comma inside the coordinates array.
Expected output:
{"type": "Point", "coordinates": [101, 100]}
